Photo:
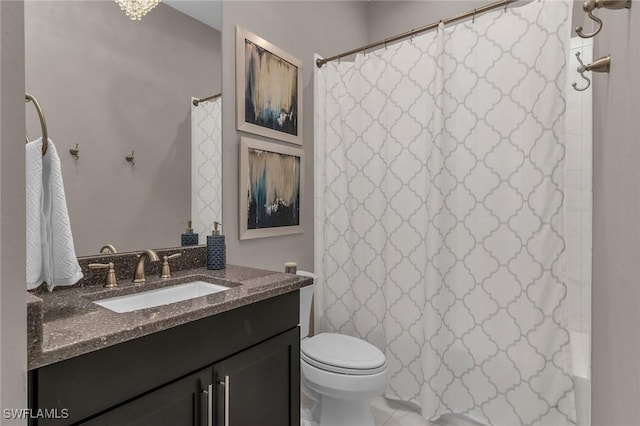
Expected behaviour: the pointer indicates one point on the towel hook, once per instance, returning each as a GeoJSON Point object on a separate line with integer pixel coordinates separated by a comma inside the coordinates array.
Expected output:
{"type": "Point", "coordinates": [74, 152]}
{"type": "Point", "coordinates": [594, 18]}
{"type": "Point", "coordinates": [590, 5]}
{"type": "Point", "coordinates": [601, 65]}
{"type": "Point", "coordinates": [131, 158]}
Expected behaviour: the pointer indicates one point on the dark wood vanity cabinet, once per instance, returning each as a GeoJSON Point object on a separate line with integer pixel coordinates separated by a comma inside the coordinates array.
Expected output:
{"type": "Point", "coordinates": [237, 368]}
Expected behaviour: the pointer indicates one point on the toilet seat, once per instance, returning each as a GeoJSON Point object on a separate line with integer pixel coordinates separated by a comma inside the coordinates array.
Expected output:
{"type": "Point", "coordinates": [338, 353]}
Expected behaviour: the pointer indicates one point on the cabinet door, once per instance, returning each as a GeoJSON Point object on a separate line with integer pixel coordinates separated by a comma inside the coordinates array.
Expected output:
{"type": "Point", "coordinates": [261, 385]}
{"type": "Point", "coordinates": [184, 402]}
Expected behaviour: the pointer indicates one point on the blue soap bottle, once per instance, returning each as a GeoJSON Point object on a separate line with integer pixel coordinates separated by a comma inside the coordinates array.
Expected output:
{"type": "Point", "coordinates": [216, 249]}
{"type": "Point", "coordinates": [189, 238]}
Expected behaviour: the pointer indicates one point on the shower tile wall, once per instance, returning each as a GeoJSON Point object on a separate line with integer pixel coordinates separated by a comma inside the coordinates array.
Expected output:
{"type": "Point", "coordinates": [579, 211]}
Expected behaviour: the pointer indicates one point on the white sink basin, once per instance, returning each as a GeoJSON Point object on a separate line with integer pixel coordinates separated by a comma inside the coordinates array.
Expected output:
{"type": "Point", "coordinates": [159, 297]}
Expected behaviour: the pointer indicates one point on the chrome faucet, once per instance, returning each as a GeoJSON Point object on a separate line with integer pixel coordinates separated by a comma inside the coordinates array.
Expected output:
{"type": "Point", "coordinates": [147, 254]}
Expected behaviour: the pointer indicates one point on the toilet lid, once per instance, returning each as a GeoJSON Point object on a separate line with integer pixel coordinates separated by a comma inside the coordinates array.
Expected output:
{"type": "Point", "coordinates": [342, 354]}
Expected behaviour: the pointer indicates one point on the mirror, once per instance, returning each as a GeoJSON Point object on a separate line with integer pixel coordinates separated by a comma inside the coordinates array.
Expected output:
{"type": "Point", "coordinates": [123, 91]}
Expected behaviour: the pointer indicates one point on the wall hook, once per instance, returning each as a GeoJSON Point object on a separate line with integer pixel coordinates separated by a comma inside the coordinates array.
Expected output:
{"type": "Point", "coordinates": [596, 32]}
{"type": "Point", "coordinates": [131, 158]}
{"type": "Point", "coordinates": [601, 65]}
{"type": "Point", "coordinates": [590, 5]}
{"type": "Point", "coordinates": [74, 152]}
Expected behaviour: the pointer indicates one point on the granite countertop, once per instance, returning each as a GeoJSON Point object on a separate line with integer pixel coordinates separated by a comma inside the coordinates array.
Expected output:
{"type": "Point", "coordinates": [66, 323]}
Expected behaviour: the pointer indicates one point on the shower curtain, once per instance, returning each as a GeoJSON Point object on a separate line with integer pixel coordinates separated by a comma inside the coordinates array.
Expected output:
{"type": "Point", "coordinates": [439, 222]}
{"type": "Point", "coordinates": [206, 166]}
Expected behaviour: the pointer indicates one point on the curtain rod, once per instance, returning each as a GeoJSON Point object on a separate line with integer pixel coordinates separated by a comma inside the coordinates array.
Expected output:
{"type": "Point", "coordinates": [210, 98]}
{"type": "Point", "coordinates": [412, 33]}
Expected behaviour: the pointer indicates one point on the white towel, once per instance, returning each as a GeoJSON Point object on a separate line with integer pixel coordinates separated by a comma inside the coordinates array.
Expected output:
{"type": "Point", "coordinates": [51, 256]}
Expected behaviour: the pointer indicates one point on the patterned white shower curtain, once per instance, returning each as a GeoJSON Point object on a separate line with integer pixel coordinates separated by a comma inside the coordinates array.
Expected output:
{"type": "Point", "coordinates": [439, 220]}
{"type": "Point", "coordinates": [206, 166]}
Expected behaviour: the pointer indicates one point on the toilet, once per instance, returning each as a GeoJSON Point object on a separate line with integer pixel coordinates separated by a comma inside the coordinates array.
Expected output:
{"type": "Point", "coordinates": [343, 372]}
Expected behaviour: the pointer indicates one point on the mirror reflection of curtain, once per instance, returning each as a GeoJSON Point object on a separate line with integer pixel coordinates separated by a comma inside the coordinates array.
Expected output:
{"type": "Point", "coordinates": [440, 227]}
{"type": "Point", "coordinates": [206, 166]}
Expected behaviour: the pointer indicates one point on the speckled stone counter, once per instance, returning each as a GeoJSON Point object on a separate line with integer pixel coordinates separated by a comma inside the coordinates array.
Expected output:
{"type": "Point", "coordinates": [66, 323]}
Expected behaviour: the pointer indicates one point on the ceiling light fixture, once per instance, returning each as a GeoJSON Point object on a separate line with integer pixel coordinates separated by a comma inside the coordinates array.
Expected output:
{"type": "Point", "coordinates": [136, 9]}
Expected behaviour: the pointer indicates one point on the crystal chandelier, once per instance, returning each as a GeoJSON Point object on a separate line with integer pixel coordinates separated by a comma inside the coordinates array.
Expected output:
{"type": "Point", "coordinates": [136, 9]}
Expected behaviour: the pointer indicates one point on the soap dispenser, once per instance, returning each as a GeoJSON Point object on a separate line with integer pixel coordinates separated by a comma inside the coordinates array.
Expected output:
{"type": "Point", "coordinates": [216, 249]}
{"type": "Point", "coordinates": [189, 238]}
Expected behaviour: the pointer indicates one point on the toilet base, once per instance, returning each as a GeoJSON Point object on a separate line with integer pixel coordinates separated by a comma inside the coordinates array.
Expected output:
{"type": "Point", "coordinates": [345, 412]}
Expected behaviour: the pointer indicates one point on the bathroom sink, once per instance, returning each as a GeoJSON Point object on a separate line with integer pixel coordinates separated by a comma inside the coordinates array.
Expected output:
{"type": "Point", "coordinates": [159, 297]}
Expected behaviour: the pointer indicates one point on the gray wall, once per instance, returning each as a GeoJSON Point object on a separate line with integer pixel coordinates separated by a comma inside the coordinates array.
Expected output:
{"type": "Point", "coordinates": [114, 85]}
{"type": "Point", "coordinates": [13, 315]}
{"type": "Point", "coordinates": [616, 215]}
{"type": "Point", "coordinates": [301, 29]}
{"type": "Point", "coordinates": [388, 18]}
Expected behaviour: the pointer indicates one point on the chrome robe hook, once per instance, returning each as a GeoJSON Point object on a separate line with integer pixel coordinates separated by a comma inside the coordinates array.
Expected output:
{"type": "Point", "coordinates": [601, 65]}
{"type": "Point", "coordinates": [590, 5]}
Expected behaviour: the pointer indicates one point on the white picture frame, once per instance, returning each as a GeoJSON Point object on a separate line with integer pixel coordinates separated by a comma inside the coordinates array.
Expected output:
{"type": "Point", "coordinates": [283, 121]}
{"type": "Point", "coordinates": [257, 155]}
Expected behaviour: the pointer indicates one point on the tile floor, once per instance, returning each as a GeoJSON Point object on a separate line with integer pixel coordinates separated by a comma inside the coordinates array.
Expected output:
{"type": "Point", "coordinates": [385, 413]}
{"type": "Point", "coordinates": [391, 413]}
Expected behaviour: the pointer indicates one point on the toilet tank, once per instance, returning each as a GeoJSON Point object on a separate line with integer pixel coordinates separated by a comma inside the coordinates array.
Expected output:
{"type": "Point", "coordinates": [306, 298]}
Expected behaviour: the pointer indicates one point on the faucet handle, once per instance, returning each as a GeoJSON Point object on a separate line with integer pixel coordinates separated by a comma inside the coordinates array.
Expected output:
{"type": "Point", "coordinates": [166, 271]}
{"type": "Point", "coordinates": [110, 279]}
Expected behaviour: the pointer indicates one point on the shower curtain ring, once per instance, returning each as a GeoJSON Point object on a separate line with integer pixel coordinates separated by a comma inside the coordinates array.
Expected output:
{"type": "Point", "coordinates": [473, 19]}
{"type": "Point", "coordinates": [412, 34]}
{"type": "Point", "coordinates": [506, 2]}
